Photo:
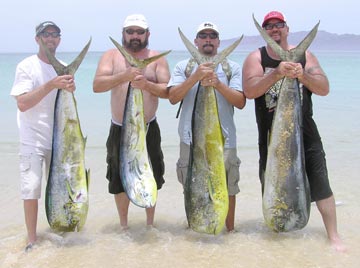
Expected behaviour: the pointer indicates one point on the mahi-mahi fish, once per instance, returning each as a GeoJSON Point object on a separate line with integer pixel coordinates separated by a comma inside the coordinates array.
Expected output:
{"type": "Point", "coordinates": [205, 193]}
{"type": "Point", "coordinates": [66, 199]}
{"type": "Point", "coordinates": [286, 198]}
{"type": "Point", "coordinates": [135, 169]}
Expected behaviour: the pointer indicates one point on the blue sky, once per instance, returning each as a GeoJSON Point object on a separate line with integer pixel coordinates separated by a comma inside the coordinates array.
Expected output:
{"type": "Point", "coordinates": [80, 19]}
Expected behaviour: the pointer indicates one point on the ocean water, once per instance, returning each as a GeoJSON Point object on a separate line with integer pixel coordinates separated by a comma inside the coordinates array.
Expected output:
{"type": "Point", "coordinates": [102, 244]}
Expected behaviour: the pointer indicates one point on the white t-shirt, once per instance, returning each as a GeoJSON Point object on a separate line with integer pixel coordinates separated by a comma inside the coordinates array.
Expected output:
{"type": "Point", "coordinates": [36, 124]}
{"type": "Point", "coordinates": [225, 109]}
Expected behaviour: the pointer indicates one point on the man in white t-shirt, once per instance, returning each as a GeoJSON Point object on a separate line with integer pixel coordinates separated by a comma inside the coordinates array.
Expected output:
{"type": "Point", "coordinates": [34, 89]}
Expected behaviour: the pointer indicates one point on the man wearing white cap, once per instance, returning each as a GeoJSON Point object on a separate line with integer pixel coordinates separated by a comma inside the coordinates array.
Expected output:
{"type": "Point", "coordinates": [263, 73]}
{"type": "Point", "coordinates": [114, 74]}
{"type": "Point", "coordinates": [227, 82]}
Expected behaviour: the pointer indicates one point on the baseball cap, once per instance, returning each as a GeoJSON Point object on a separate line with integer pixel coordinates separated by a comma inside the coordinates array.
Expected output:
{"type": "Point", "coordinates": [42, 26]}
{"type": "Point", "coordinates": [136, 20]}
{"type": "Point", "coordinates": [273, 15]}
{"type": "Point", "coordinates": [207, 26]}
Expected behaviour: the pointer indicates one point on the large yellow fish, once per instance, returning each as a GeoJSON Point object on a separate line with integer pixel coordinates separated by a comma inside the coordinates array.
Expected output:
{"type": "Point", "coordinates": [67, 199]}
{"type": "Point", "coordinates": [135, 169]}
{"type": "Point", "coordinates": [206, 195]}
{"type": "Point", "coordinates": [286, 197]}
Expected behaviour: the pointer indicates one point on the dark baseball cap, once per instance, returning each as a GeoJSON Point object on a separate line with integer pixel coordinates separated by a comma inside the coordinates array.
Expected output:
{"type": "Point", "coordinates": [42, 26]}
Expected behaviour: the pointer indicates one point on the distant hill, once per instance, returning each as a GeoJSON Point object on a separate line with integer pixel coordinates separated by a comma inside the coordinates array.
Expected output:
{"type": "Point", "coordinates": [322, 41]}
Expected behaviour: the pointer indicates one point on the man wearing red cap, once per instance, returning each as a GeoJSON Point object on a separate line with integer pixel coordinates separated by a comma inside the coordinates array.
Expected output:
{"type": "Point", "coordinates": [263, 72]}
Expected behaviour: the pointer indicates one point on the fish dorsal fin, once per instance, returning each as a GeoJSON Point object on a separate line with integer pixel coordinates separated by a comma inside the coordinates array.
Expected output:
{"type": "Point", "coordinates": [59, 67]}
{"type": "Point", "coordinates": [293, 55]}
{"type": "Point", "coordinates": [199, 58]}
{"type": "Point", "coordinates": [138, 63]}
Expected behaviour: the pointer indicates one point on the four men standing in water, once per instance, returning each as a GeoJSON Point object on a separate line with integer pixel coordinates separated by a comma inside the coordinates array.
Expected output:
{"type": "Point", "coordinates": [114, 74]}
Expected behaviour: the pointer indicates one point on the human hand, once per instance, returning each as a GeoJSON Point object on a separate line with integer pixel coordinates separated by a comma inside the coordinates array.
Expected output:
{"type": "Point", "coordinates": [210, 80]}
{"type": "Point", "coordinates": [290, 69]}
{"type": "Point", "coordinates": [139, 82]}
{"type": "Point", "coordinates": [65, 82]}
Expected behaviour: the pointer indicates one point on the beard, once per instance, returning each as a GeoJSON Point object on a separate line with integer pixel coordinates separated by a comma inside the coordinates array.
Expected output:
{"type": "Point", "coordinates": [135, 45]}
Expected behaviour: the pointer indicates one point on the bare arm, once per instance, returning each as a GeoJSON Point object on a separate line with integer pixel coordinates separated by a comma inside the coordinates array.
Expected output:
{"type": "Point", "coordinates": [105, 78]}
{"type": "Point", "coordinates": [30, 99]}
{"type": "Point", "coordinates": [313, 77]}
{"type": "Point", "coordinates": [255, 82]}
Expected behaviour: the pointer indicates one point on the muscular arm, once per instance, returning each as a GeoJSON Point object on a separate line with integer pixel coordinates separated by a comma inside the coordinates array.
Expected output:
{"type": "Point", "coordinates": [105, 79]}
{"type": "Point", "coordinates": [255, 82]}
{"type": "Point", "coordinates": [313, 77]}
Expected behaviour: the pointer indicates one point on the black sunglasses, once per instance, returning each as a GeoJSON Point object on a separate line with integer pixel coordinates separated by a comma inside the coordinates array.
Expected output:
{"type": "Point", "coordinates": [206, 35]}
{"type": "Point", "coordinates": [52, 34]}
{"type": "Point", "coordinates": [138, 31]}
{"type": "Point", "coordinates": [278, 25]}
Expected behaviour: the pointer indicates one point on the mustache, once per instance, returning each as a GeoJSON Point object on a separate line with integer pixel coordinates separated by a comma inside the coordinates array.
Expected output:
{"type": "Point", "coordinates": [208, 45]}
{"type": "Point", "coordinates": [135, 40]}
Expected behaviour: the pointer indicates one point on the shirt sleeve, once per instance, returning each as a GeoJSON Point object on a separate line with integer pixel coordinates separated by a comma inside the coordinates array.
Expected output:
{"type": "Point", "coordinates": [236, 77]}
{"type": "Point", "coordinates": [178, 74]}
{"type": "Point", "coordinates": [23, 82]}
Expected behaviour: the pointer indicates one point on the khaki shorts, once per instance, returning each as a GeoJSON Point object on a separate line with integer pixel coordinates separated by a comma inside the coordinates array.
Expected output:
{"type": "Point", "coordinates": [232, 165]}
{"type": "Point", "coordinates": [31, 171]}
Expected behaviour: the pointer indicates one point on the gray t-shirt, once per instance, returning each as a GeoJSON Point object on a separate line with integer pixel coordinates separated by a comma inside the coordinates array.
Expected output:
{"type": "Point", "coordinates": [225, 109]}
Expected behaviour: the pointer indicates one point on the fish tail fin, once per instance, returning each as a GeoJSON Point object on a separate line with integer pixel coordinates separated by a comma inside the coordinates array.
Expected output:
{"type": "Point", "coordinates": [199, 58]}
{"type": "Point", "coordinates": [59, 67]}
{"type": "Point", "coordinates": [139, 63]}
{"type": "Point", "coordinates": [76, 63]}
{"type": "Point", "coordinates": [295, 53]}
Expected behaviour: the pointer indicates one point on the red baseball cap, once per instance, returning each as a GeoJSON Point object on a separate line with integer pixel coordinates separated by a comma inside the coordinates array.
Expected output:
{"type": "Point", "coordinates": [273, 15]}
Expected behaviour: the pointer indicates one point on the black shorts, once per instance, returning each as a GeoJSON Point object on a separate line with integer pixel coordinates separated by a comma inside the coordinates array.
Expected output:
{"type": "Point", "coordinates": [153, 142]}
{"type": "Point", "coordinates": [316, 170]}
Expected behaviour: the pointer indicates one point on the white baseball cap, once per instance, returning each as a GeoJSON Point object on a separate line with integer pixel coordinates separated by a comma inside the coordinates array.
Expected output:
{"type": "Point", "coordinates": [207, 26]}
{"type": "Point", "coordinates": [136, 20]}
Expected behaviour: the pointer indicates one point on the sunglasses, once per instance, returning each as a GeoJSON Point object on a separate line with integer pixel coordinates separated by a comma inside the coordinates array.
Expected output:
{"type": "Point", "coordinates": [52, 34]}
{"type": "Point", "coordinates": [278, 25]}
{"type": "Point", "coordinates": [138, 31]}
{"type": "Point", "coordinates": [206, 35]}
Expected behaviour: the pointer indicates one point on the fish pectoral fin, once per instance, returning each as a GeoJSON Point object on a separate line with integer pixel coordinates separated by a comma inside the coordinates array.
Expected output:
{"type": "Point", "coordinates": [211, 190]}
{"type": "Point", "coordinates": [75, 196]}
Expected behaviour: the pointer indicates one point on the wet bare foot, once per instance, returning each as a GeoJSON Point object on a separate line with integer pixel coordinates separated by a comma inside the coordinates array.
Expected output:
{"type": "Point", "coordinates": [29, 247]}
{"type": "Point", "coordinates": [338, 245]}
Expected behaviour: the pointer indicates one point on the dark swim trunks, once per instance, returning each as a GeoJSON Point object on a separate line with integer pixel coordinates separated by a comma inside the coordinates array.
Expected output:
{"type": "Point", "coordinates": [153, 141]}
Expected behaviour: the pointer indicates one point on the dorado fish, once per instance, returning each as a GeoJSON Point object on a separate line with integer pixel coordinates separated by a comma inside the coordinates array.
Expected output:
{"type": "Point", "coordinates": [206, 195]}
{"type": "Point", "coordinates": [66, 199]}
{"type": "Point", "coordinates": [286, 198]}
{"type": "Point", "coordinates": [135, 169]}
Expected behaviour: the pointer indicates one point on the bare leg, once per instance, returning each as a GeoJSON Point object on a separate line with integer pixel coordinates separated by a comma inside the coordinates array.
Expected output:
{"type": "Point", "coordinates": [122, 205]}
{"type": "Point", "coordinates": [328, 212]}
{"type": "Point", "coordinates": [230, 219]}
{"type": "Point", "coordinates": [31, 213]}
{"type": "Point", "coordinates": [150, 214]}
